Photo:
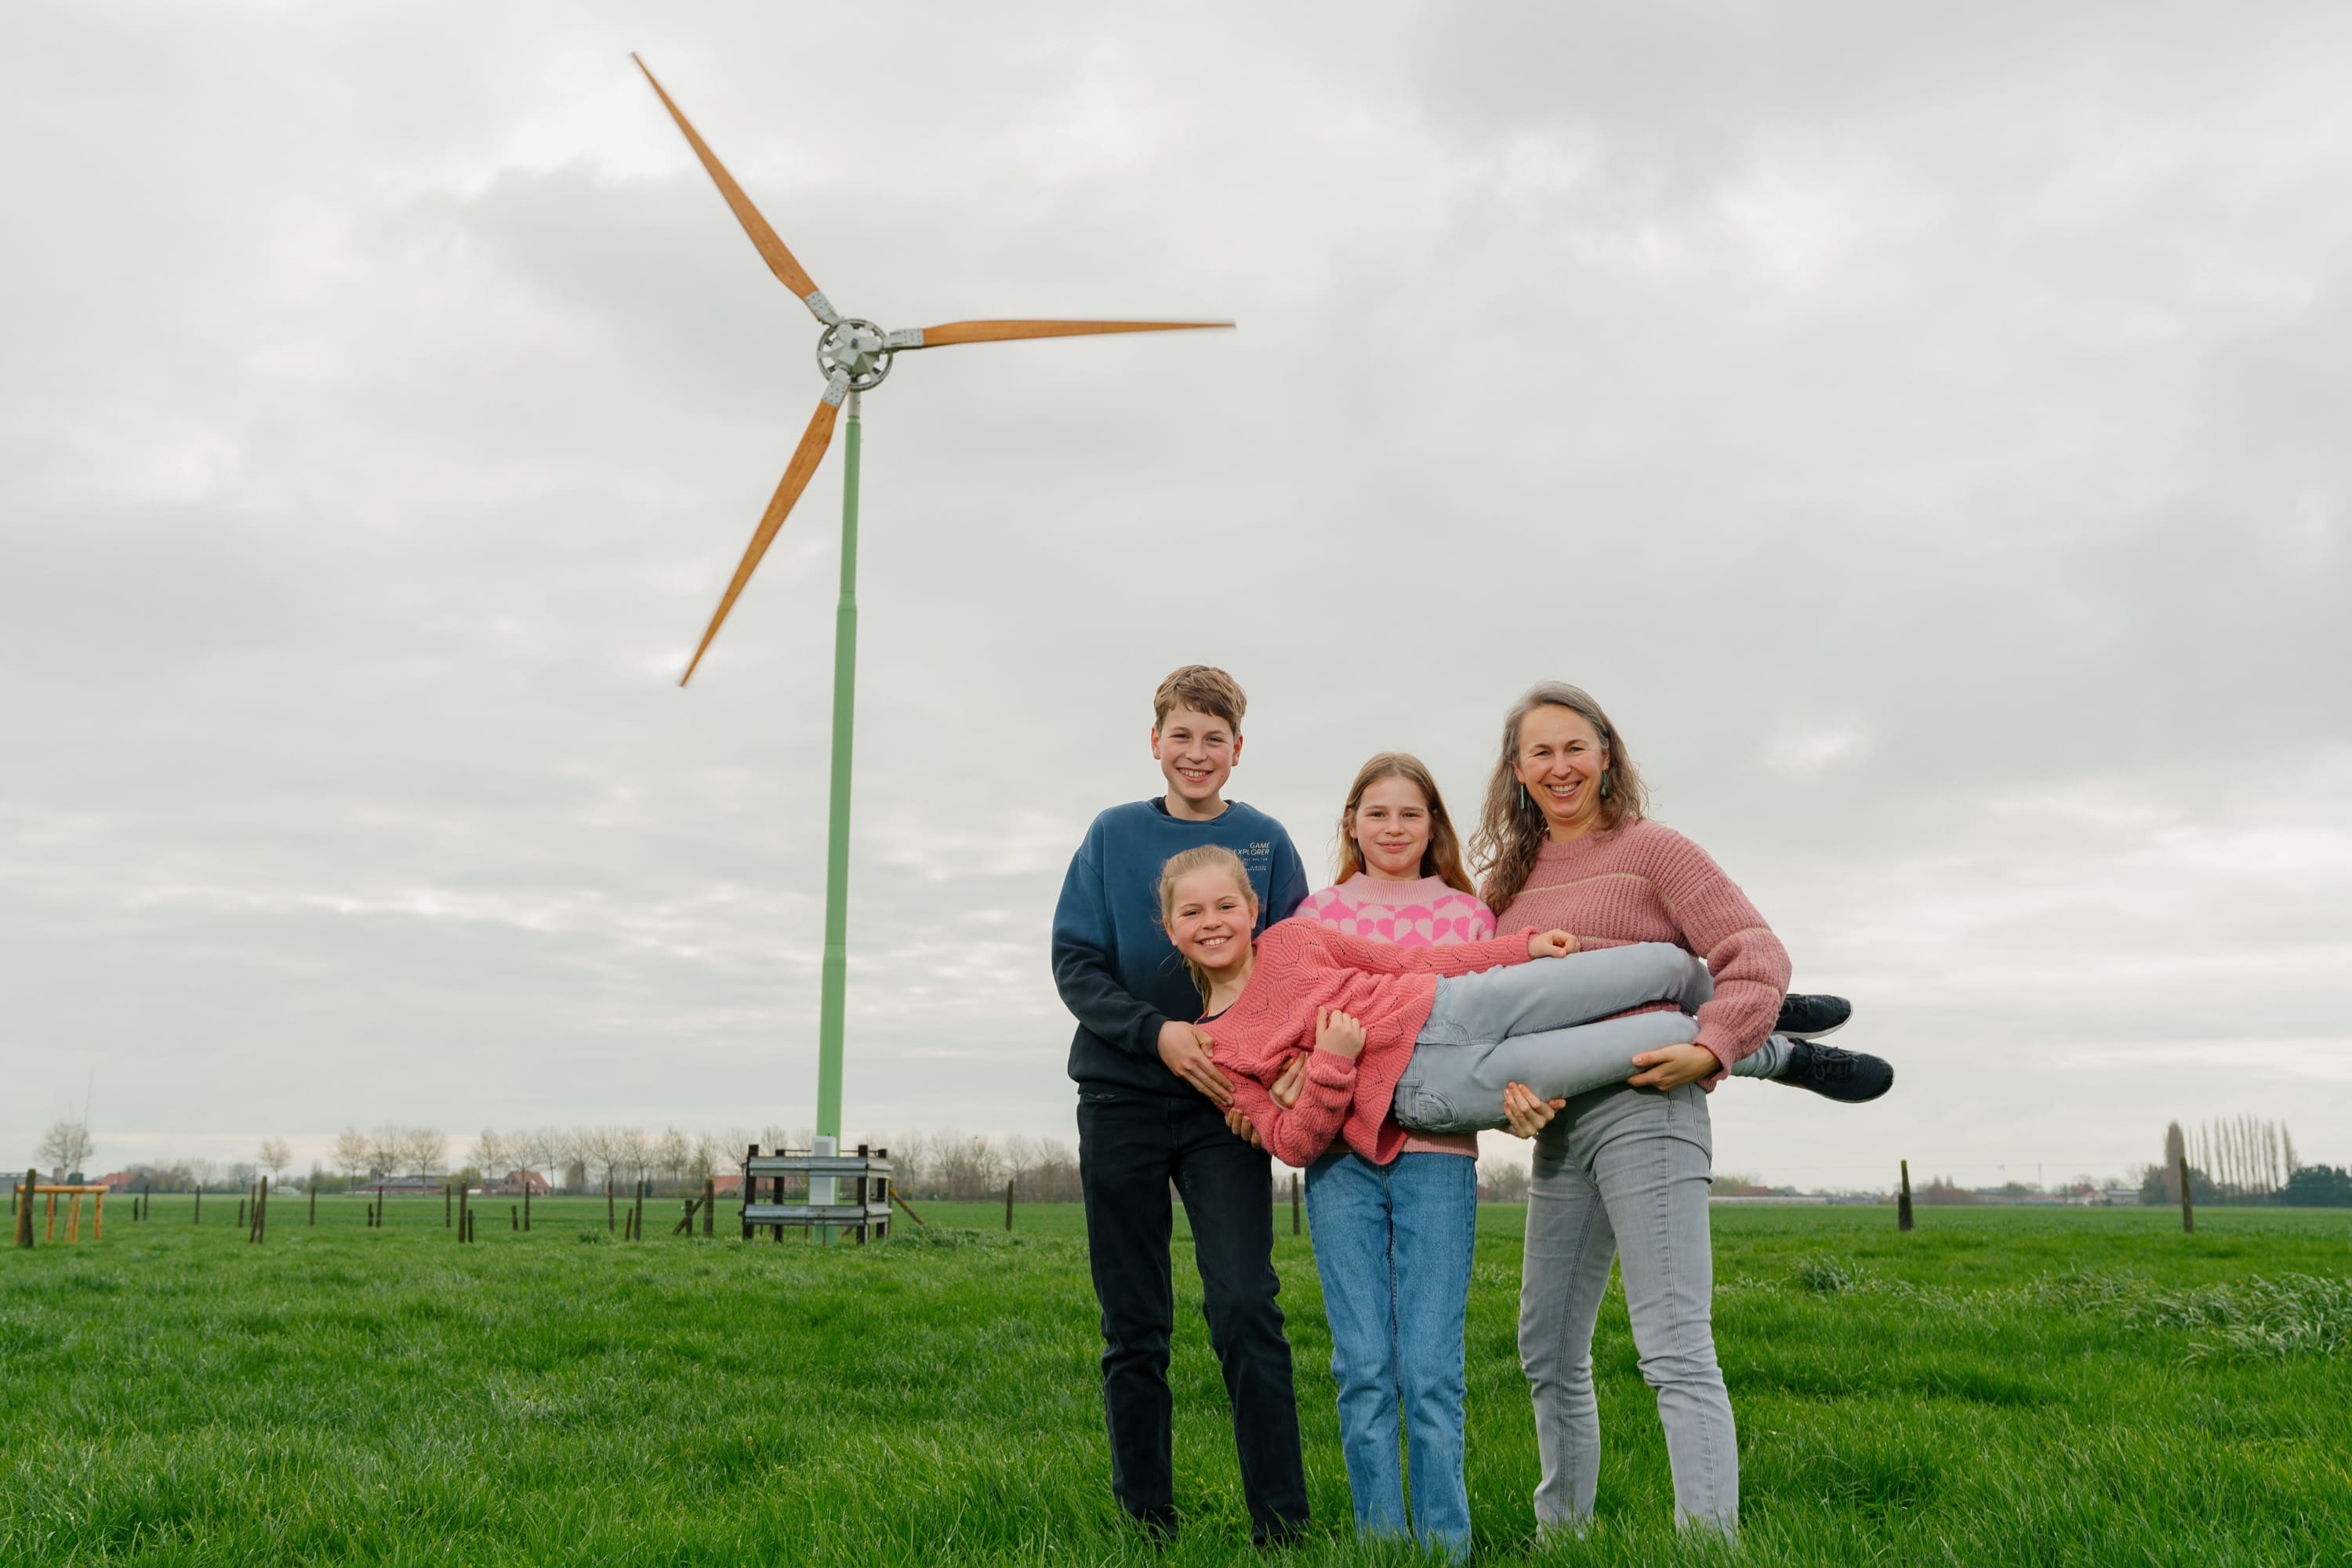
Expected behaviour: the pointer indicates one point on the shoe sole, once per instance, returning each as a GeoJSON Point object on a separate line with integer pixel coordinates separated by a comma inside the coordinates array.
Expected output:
{"type": "Point", "coordinates": [1814, 1034]}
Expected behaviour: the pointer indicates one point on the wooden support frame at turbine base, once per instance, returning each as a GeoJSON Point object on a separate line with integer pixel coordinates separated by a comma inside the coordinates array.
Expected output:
{"type": "Point", "coordinates": [859, 1184]}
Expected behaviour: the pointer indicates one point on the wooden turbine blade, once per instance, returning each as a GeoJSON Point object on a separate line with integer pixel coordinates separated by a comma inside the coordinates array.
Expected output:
{"type": "Point", "coordinates": [1001, 331]}
{"type": "Point", "coordinates": [806, 458]}
{"type": "Point", "coordinates": [781, 261]}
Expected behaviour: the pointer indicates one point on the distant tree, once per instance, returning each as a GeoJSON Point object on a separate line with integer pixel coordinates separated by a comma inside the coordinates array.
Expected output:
{"type": "Point", "coordinates": [352, 1150]}
{"type": "Point", "coordinates": [66, 1146]}
{"type": "Point", "coordinates": [634, 1150]}
{"type": "Point", "coordinates": [489, 1155]}
{"type": "Point", "coordinates": [386, 1147]}
{"type": "Point", "coordinates": [275, 1156]}
{"type": "Point", "coordinates": [1944, 1190]}
{"type": "Point", "coordinates": [2318, 1186]}
{"type": "Point", "coordinates": [2161, 1185]}
{"type": "Point", "coordinates": [1503, 1181]}
{"type": "Point", "coordinates": [708, 1156]}
{"type": "Point", "coordinates": [426, 1150]}
{"type": "Point", "coordinates": [673, 1152]}
{"type": "Point", "coordinates": [969, 1168]}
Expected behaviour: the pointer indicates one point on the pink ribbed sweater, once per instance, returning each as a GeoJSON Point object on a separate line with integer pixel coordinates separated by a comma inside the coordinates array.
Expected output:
{"type": "Point", "coordinates": [1302, 966]}
{"type": "Point", "coordinates": [1424, 912]}
{"type": "Point", "coordinates": [1644, 882]}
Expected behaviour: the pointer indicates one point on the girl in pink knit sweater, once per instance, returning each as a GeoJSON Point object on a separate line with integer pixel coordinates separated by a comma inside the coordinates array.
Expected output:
{"type": "Point", "coordinates": [1433, 1033]}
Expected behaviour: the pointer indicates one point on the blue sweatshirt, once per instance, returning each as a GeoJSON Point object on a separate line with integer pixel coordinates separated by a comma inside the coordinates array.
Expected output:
{"type": "Point", "coordinates": [1116, 971]}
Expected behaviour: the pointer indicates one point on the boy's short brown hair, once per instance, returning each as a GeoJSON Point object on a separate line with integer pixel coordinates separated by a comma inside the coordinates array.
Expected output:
{"type": "Point", "coordinates": [1204, 689]}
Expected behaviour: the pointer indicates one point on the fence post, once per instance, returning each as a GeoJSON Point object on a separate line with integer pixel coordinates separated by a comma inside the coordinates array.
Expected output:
{"type": "Point", "coordinates": [199, 1215]}
{"type": "Point", "coordinates": [146, 1200]}
{"type": "Point", "coordinates": [240, 1214]}
{"type": "Point", "coordinates": [709, 1202]}
{"type": "Point", "coordinates": [526, 1200]}
{"type": "Point", "coordinates": [514, 1219]}
{"type": "Point", "coordinates": [444, 1205]}
{"type": "Point", "coordinates": [24, 1208]}
{"type": "Point", "coordinates": [314, 1200]}
{"type": "Point", "coordinates": [1294, 1203]}
{"type": "Point", "coordinates": [2188, 1208]}
{"type": "Point", "coordinates": [261, 1212]}
{"type": "Point", "coordinates": [1903, 1204]}
{"type": "Point", "coordinates": [1008, 1204]}
{"type": "Point", "coordinates": [609, 1220]}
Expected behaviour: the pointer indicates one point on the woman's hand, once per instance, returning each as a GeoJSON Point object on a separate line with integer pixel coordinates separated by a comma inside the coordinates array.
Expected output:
{"type": "Point", "coordinates": [1338, 1033]}
{"type": "Point", "coordinates": [1528, 1111]}
{"type": "Point", "coordinates": [1238, 1122]}
{"type": "Point", "coordinates": [1674, 1067]}
{"type": "Point", "coordinates": [1283, 1089]}
{"type": "Point", "coordinates": [1551, 944]}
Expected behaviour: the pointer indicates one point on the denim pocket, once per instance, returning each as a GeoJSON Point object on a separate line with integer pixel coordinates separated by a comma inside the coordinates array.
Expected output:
{"type": "Point", "coordinates": [1419, 1109]}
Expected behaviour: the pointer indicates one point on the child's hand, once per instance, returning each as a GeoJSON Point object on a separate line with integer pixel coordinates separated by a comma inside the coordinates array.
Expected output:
{"type": "Point", "coordinates": [1283, 1089]}
{"type": "Point", "coordinates": [1551, 944]}
{"type": "Point", "coordinates": [1338, 1033]}
{"type": "Point", "coordinates": [1238, 1122]}
{"type": "Point", "coordinates": [1527, 1112]}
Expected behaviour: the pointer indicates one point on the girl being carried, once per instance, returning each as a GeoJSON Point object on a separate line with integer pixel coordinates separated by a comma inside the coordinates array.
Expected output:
{"type": "Point", "coordinates": [1432, 1034]}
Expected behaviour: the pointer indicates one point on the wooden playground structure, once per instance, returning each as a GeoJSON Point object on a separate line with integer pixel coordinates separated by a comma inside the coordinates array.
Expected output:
{"type": "Point", "coordinates": [32, 1186]}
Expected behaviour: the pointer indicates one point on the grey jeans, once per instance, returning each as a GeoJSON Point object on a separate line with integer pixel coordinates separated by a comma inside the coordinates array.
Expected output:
{"type": "Point", "coordinates": [1622, 1173]}
{"type": "Point", "coordinates": [1548, 1024]}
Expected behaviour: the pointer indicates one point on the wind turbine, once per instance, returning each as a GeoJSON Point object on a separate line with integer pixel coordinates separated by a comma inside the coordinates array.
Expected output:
{"type": "Point", "coordinates": [855, 355]}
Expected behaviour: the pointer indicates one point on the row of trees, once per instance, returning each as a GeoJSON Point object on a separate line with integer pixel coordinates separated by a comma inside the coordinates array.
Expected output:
{"type": "Point", "coordinates": [950, 1165]}
{"type": "Point", "coordinates": [2242, 1160]}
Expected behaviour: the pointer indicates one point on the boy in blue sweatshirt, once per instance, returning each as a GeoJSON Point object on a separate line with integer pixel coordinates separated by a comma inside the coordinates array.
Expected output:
{"type": "Point", "coordinates": [1152, 1112]}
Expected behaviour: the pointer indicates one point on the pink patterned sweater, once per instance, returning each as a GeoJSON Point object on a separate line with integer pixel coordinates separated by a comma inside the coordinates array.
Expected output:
{"type": "Point", "coordinates": [1645, 882]}
{"type": "Point", "coordinates": [1303, 966]}
{"type": "Point", "coordinates": [1424, 912]}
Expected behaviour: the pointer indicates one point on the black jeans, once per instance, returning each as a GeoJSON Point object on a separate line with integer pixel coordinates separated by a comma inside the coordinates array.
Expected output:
{"type": "Point", "coordinates": [1130, 1146]}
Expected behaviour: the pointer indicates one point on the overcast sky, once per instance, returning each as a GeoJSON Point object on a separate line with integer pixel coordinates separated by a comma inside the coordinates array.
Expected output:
{"type": "Point", "coordinates": [1925, 432]}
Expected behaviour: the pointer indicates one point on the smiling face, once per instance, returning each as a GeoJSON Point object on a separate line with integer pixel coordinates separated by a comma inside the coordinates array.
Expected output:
{"type": "Point", "coordinates": [1390, 827]}
{"type": "Point", "coordinates": [1210, 917]}
{"type": "Point", "coordinates": [1560, 758]}
{"type": "Point", "coordinates": [1196, 753]}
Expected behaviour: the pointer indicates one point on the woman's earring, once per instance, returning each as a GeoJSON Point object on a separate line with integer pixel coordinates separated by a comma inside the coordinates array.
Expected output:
{"type": "Point", "coordinates": [1604, 783]}
{"type": "Point", "coordinates": [1523, 800]}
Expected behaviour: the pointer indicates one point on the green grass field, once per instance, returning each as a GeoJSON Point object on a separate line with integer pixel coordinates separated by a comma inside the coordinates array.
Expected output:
{"type": "Point", "coordinates": [2002, 1386]}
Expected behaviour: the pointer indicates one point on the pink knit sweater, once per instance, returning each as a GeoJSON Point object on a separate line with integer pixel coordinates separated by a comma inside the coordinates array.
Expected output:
{"type": "Point", "coordinates": [1303, 966]}
{"type": "Point", "coordinates": [1424, 912]}
{"type": "Point", "coordinates": [1644, 882]}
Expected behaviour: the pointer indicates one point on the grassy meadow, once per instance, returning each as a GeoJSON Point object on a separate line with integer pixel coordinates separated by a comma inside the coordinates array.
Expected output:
{"type": "Point", "coordinates": [2001, 1386]}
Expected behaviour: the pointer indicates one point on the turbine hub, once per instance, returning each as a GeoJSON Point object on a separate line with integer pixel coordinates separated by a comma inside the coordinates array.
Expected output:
{"type": "Point", "coordinates": [858, 350]}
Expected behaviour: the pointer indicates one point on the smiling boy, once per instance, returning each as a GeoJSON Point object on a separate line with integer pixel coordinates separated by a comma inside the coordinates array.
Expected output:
{"type": "Point", "coordinates": [1152, 1112]}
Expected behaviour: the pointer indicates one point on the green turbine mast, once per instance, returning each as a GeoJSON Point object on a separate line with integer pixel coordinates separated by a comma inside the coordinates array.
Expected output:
{"type": "Point", "coordinates": [854, 355]}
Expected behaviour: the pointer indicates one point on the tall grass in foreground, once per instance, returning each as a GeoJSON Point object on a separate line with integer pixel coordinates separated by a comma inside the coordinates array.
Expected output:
{"type": "Point", "coordinates": [1999, 1387]}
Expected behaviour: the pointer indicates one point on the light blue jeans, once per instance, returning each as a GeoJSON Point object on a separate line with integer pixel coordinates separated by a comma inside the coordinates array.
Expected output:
{"type": "Point", "coordinates": [1621, 1173]}
{"type": "Point", "coordinates": [1393, 1244]}
{"type": "Point", "coordinates": [1549, 1024]}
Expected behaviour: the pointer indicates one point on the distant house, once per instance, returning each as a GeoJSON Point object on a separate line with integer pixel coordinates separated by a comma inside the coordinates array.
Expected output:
{"type": "Point", "coordinates": [514, 1183]}
{"type": "Point", "coordinates": [121, 1181]}
{"type": "Point", "coordinates": [731, 1183]}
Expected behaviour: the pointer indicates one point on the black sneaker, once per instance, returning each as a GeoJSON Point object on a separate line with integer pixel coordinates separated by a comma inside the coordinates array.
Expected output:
{"type": "Point", "coordinates": [1851, 1076]}
{"type": "Point", "coordinates": [1810, 1017]}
